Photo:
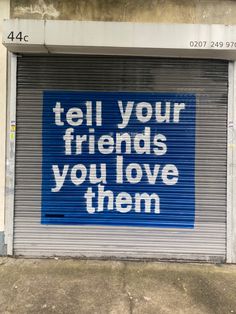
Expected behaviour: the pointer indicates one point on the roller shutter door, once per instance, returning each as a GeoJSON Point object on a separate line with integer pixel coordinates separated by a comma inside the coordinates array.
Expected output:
{"type": "Point", "coordinates": [206, 79]}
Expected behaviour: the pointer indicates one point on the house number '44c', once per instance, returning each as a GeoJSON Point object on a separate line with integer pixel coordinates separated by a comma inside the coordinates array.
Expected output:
{"type": "Point", "coordinates": [19, 36]}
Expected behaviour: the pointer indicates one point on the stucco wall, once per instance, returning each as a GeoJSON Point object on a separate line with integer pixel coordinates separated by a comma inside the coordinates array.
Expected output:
{"type": "Point", "coordinates": [4, 13]}
{"type": "Point", "coordinates": [158, 11]}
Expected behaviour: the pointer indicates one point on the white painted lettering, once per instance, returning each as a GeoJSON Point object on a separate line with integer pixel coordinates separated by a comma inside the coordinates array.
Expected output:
{"type": "Point", "coordinates": [89, 195]}
{"type": "Point", "coordinates": [58, 110]}
{"type": "Point", "coordinates": [74, 177]}
{"type": "Point", "coordinates": [125, 114]}
{"type": "Point", "coordinates": [123, 202]}
{"type": "Point", "coordinates": [170, 174]}
{"type": "Point", "coordinates": [177, 109]}
{"type": "Point", "coordinates": [59, 178]}
{"type": "Point", "coordinates": [74, 116]}
{"type": "Point", "coordinates": [147, 199]}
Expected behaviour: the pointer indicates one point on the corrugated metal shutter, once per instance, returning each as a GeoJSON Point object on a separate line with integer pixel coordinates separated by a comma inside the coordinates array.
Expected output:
{"type": "Point", "coordinates": [208, 79]}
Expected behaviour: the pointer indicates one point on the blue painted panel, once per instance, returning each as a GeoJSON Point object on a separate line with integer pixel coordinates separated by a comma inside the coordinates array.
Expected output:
{"type": "Point", "coordinates": [157, 157]}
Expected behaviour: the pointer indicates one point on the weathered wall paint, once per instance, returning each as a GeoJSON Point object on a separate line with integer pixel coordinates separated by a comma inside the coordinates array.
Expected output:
{"type": "Point", "coordinates": [157, 11]}
{"type": "Point", "coordinates": [4, 13]}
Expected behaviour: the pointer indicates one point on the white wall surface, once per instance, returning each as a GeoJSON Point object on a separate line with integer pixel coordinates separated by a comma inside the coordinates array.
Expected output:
{"type": "Point", "coordinates": [4, 13]}
{"type": "Point", "coordinates": [184, 40]}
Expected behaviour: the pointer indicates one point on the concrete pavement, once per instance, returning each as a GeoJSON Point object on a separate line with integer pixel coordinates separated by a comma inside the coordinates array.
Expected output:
{"type": "Point", "coordinates": [90, 287]}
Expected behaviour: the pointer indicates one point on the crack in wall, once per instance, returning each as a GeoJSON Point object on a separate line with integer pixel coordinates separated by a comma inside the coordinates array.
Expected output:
{"type": "Point", "coordinates": [125, 290]}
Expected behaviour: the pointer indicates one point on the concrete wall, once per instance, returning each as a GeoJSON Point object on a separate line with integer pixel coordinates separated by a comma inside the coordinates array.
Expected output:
{"type": "Point", "coordinates": [4, 13]}
{"type": "Point", "coordinates": [158, 11]}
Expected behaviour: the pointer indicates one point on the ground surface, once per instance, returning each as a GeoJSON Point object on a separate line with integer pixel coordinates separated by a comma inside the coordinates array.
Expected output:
{"type": "Point", "coordinates": [73, 286]}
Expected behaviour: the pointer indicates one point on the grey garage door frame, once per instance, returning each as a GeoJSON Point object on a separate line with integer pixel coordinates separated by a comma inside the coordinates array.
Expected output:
{"type": "Point", "coordinates": [209, 80]}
